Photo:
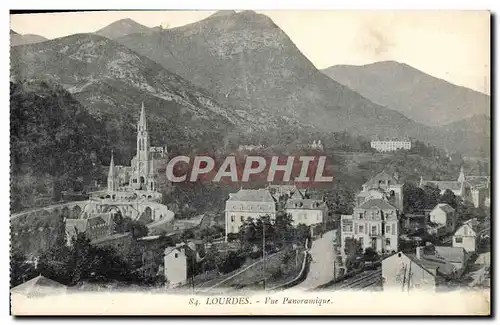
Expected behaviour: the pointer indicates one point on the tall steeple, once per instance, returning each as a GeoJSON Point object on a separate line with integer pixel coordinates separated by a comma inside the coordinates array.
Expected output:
{"type": "Point", "coordinates": [111, 174]}
{"type": "Point", "coordinates": [461, 176]}
{"type": "Point", "coordinates": [142, 125]}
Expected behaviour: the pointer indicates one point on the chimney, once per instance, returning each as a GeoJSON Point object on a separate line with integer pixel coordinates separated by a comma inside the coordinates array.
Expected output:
{"type": "Point", "coordinates": [420, 252]}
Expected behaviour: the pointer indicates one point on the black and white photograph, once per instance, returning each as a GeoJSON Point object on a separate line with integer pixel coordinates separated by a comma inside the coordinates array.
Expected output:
{"type": "Point", "coordinates": [236, 161]}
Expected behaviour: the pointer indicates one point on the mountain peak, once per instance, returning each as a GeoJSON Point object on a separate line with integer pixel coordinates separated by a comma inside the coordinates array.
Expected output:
{"type": "Point", "coordinates": [223, 13]}
{"type": "Point", "coordinates": [121, 28]}
{"type": "Point", "coordinates": [420, 96]}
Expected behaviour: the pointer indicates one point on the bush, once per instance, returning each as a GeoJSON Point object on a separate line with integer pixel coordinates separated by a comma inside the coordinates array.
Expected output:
{"type": "Point", "coordinates": [229, 261]}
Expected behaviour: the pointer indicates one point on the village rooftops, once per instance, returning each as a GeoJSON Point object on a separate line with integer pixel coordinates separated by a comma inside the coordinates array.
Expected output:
{"type": "Point", "coordinates": [79, 224]}
{"type": "Point", "coordinates": [444, 207]}
{"type": "Point", "coordinates": [305, 204]}
{"type": "Point", "coordinates": [381, 178]}
{"type": "Point", "coordinates": [444, 185]}
{"type": "Point", "coordinates": [259, 195]}
{"type": "Point", "coordinates": [376, 204]}
{"type": "Point", "coordinates": [39, 286]}
{"type": "Point", "coordinates": [433, 264]}
{"type": "Point", "coordinates": [110, 237]}
{"type": "Point", "coordinates": [451, 254]}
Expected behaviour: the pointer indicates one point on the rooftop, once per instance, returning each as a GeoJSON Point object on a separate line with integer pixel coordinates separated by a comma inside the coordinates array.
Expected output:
{"type": "Point", "coordinates": [376, 204]}
{"type": "Point", "coordinates": [259, 195]}
{"type": "Point", "coordinates": [433, 264]}
{"type": "Point", "coordinates": [38, 285]}
{"type": "Point", "coordinates": [444, 207]}
{"type": "Point", "coordinates": [305, 204]}
{"type": "Point", "coordinates": [383, 176]}
{"type": "Point", "coordinates": [444, 185]}
{"type": "Point", "coordinates": [451, 254]}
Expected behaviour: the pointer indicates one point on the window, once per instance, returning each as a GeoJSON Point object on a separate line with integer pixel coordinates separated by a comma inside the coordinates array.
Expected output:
{"type": "Point", "coordinates": [374, 230]}
{"type": "Point", "coordinates": [242, 218]}
{"type": "Point", "coordinates": [360, 215]}
{"type": "Point", "coordinates": [388, 229]}
{"type": "Point", "coordinates": [458, 240]}
{"type": "Point", "coordinates": [347, 227]}
{"type": "Point", "coordinates": [361, 229]}
{"type": "Point", "coordinates": [176, 255]}
{"type": "Point", "coordinates": [387, 242]}
{"type": "Point", "coordinates": [232, 218]}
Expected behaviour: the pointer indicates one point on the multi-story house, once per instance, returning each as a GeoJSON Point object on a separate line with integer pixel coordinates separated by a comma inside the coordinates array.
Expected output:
{"type": "Point", "coordinates": [307, 211]}
{"type": "Point", "coordinates": [248, 204]}
{"type": "Point", "coordinates": [375, 224]}
{"type": "Point", "coordinates": [382, 186]}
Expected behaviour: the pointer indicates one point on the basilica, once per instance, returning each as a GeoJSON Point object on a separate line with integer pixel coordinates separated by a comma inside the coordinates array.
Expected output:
{"type": "Point", "coordinates": [140, 179]}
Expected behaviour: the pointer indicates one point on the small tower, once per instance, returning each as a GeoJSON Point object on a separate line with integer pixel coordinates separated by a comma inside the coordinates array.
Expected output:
{"type": "Point", "coordinates": [461, 176]}
{"type": "Point", "coordinates": [111, 175]}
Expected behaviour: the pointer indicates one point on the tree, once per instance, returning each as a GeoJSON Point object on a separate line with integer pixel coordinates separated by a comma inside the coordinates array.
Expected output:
{"type": "Point", "coordinates": [370, 254]}
{"type": "Point", "coordinates": [414, 198]}
{"type": "Point", "coordinates": [432, 195]}
{"type": "Point", "coordinates": [284, 228]}
{"type": "Point", "coordinates": [20, 269]}
{"type": "Point", "coordinates": [248, 232]}
{"type": "Point", "coordinates": [136, 228]}
{"type": "Point", "coordinates": [302, 233]}
{"type": "Point", "coordinates": [228, 261]}
{"type": "Point", "coordinates": [449, 198]}
{"type": "Point", "coordinates": [263, 226]}
{"type": "Point", "coordinates": [187, 234]}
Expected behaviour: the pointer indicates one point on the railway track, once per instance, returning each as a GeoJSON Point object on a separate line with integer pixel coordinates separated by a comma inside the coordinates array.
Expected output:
{"type": "Point", "coordinates": [362, 280]}
{"type": "Point", "coordinates": [365, 280]}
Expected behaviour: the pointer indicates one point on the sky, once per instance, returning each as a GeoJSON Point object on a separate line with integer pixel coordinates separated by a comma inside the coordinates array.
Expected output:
{"type": "Point", "coordinates": [451, 45]}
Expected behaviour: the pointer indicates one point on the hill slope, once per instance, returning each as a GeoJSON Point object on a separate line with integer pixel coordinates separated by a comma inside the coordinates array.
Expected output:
{"type": "Point", "coordinates": [111, 81]}
{"type": "Point", "coordinates": [52, 140]}
{"type": "Point", "coordinates": [472, 135]}
{"type": "Point", "coordinates": [18, 39]}
{"type": "Point", "coordinates": [247, 61]}
{"type": "Point", "coordinates": [419, 96]}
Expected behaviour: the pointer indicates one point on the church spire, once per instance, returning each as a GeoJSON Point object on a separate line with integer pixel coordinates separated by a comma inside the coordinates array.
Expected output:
{"type": "Point", "coordinates": [461, 176]}
{"type": "Point", "coordinates": [111, 173]}
{"type": "Point", "coordinates": [142, 126]}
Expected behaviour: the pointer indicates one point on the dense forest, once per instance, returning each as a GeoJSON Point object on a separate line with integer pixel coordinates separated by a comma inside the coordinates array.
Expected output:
{"type": "Point", "coordinates": [54, 143]}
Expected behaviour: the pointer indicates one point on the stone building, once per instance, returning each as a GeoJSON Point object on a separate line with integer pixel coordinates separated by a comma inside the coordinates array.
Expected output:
{"type": "Point", "coordinates": [375, 224]}
{"type": "Point", "coordinates": [474, 189]}
{"type": "Point", "coordinates": [248, 204]}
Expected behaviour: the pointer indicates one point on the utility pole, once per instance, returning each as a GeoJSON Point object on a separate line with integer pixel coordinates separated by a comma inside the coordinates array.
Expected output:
{"type": "Point", "coordinates": [409, 277]}
{"type": "Point", "coordinates": [264, 253]}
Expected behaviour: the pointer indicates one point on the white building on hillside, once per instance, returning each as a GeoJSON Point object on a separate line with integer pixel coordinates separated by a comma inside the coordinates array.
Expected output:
{"type": "Point", "coordinates": [386, 145]}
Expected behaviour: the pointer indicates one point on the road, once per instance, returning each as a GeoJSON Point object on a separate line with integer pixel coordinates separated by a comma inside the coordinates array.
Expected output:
{"type": "Point", "coordinates": [321, 268]}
